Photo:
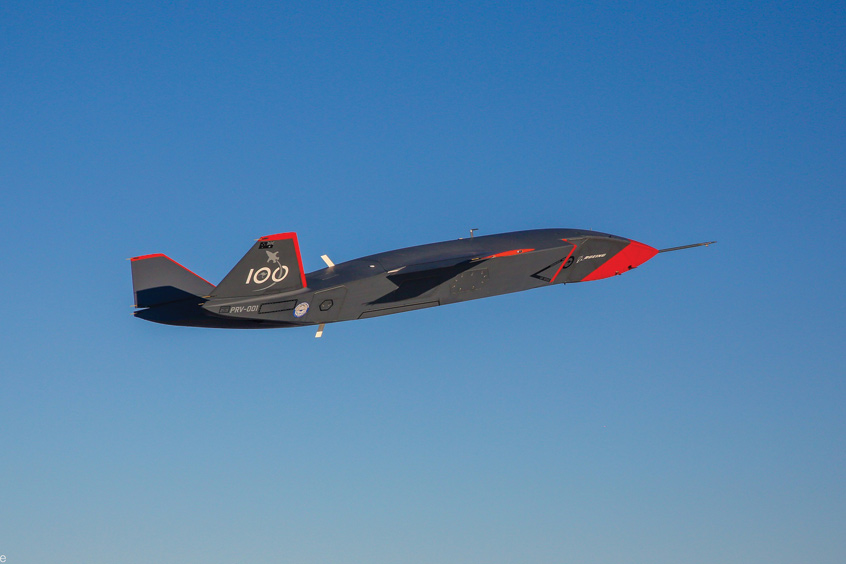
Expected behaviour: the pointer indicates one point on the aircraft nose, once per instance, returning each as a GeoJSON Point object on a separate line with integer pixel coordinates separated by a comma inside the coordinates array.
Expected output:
{"type": "Point", "coordinates": [633, 255]}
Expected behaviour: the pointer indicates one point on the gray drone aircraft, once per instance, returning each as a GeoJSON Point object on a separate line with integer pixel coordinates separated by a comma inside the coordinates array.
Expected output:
{"type": "Point", "coordinates": [268, 287]}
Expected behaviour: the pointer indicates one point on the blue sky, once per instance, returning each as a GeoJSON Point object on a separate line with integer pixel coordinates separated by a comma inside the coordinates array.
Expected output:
{"type": "Point", "coordinates": [690, 411]}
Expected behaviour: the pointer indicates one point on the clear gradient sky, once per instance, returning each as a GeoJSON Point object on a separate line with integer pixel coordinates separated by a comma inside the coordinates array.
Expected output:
{"type": "Point", "coordinates": [689, 411]}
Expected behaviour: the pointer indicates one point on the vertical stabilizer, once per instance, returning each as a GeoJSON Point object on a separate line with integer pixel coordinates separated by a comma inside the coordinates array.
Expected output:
{"type": "Point", "coordinates": [271, 266]}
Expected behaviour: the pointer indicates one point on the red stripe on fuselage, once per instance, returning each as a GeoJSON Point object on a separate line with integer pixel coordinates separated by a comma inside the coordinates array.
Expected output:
{"type": "Point", "coordinates": [563, 262]}
{"type": "Point", "coordinates": [508, 253]}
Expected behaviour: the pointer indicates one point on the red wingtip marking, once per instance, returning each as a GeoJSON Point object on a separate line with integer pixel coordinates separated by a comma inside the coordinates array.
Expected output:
{"type": "Point", "coordinates": [142, 257]}
{"type": "Point", "coordinates": [633, 255]}
{"type": "Point", "coordinates": [292, 236]}
{"type": "Point", "coordinates": [279, 236]}
{"type": "Point", "coordinates": [299, 258]}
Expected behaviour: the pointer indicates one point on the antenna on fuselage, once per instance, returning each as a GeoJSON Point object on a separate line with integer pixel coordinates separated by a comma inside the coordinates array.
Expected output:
{"type": "Point", "coordinates": [472, 230]}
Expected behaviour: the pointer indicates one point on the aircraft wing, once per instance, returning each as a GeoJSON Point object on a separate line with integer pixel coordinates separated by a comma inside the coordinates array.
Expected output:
{"type": "Point", "coordinates": [416, 279]}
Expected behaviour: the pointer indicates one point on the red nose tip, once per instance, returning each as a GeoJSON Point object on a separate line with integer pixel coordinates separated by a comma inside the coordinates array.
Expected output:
{"type": "Point", "coordinates": [633, 255]}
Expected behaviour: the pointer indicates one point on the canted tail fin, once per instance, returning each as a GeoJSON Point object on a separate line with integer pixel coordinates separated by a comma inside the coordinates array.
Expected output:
{"type": "Point", "coordinates": [158, 279]}
{"type": "Point", "coordinates": [273, 265]}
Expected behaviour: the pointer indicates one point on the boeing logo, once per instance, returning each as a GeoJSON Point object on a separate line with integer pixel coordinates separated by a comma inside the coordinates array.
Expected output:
{"type": "Point", "coordinates": [591, 257]}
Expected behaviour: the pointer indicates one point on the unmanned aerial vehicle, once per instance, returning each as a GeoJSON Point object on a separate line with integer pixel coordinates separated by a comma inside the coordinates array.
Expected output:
{"type": "Point", "coordinates": [268, 287]}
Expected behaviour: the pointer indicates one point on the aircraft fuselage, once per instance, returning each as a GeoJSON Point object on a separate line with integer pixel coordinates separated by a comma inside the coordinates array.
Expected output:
{"type": "Point", "coordinates": [407, 279]}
